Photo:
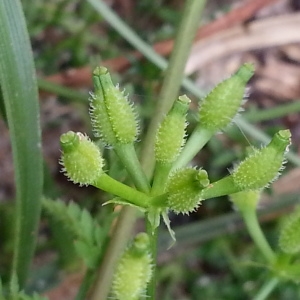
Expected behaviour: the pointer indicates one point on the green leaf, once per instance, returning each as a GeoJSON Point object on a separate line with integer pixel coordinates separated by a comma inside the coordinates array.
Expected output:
{"type": "Point", "coordinates": [68, 215]}
{"type": "Point", "coordinates": [19, 88]}
{"type": "Point", "coordinates": [87, 232]}
{"type": "Point", "coordinates": [88, 253]}
{"type": "Point", "coordinates": [98, 235]}
{"type": "Point", "coordinates": [87, 226]}
{"type": "Point", "coordinates": [74, 210]}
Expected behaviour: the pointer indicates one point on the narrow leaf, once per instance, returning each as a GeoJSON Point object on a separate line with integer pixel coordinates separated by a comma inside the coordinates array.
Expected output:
{"type": "Point", "coordinates": [19, 89]}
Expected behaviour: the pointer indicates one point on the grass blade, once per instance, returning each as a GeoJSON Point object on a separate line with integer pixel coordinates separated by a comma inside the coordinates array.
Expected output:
{"type": "Point", "coordinates": [19, 88]}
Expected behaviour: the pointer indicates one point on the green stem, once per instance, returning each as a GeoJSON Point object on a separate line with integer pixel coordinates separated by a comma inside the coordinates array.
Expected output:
{"type": "Point", "coordinates": [254, 229]}
{"type": "Point", "coordinates": [85, 285]}
{"type": "Point", "coordinates": [127, 155]}
{"type": "Point", "coordinates": [195, 143]}
{"type": "Point", "coordinates": [266, 289]}
{"type": "Point", "coordinates": [222, 187]}
{"type": "Point", "coordinates": [112, 186]}
{"type": "Point", "coordinates": [153, 234]}
{"type": "Point", "coordinates": [174, 76]}
{"type": "Point", "coordinates": [160, 178]}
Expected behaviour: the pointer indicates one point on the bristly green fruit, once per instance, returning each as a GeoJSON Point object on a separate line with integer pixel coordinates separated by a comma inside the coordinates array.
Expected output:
{"type": "Point", "coordinates": [221, 105]}
{"type": "Point", "coordinates": [134, 270]}
{"type": "Point", "coordinates": [170, 136]}
{"type": "Point", "coordinates": [264, 166]}
{"type": "Point", "coordinates": [81, 158]}
{"type": "Point", "coordinates": [256, 172]}
{"type": "Point", "coordinates": [112, 115]}
{"type": "Point", "coordinates": [184, 189]}
{"type": "Point", "coordinates": [289, 239]}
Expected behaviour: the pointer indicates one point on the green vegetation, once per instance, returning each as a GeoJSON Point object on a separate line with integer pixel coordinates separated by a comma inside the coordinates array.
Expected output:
{"type": "Point", "coordinates": [148, 155]}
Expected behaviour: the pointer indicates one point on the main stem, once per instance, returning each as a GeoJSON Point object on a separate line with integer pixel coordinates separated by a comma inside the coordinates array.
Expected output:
{"type": "Point", "coordinates": [153, 235]}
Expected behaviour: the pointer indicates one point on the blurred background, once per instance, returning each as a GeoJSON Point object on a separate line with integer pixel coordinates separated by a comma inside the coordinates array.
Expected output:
{"type": "Point", "coordinates": [214, 256]}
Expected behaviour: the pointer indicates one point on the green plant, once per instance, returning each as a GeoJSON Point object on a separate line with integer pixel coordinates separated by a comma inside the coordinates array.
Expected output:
{"type": "Point", "coordinates": [160, 176]}
{"type": "Point", "coordinates": [180, 190]}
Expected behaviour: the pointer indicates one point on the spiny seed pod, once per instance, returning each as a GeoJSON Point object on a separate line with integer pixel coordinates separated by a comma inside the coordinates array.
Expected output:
{"type": "Point", "coordinates": [184, 189]}
{"type": "Point", "coordinates": [289, 239]}
{"type": "Point", "coordinates": [220, 106]}
{"type": "Point", "coordinates": [81, 158]}
{"type": "Point", "coordinates": [171, 133]}
{"type": "Point", "coordinates": [245, 200]}
{"type": "Point", "coordinates": [264, 166]}
{"type": "Point", "coordinates": [134, 270]}
{"type": "Point", "coordinates": [112, 115]}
